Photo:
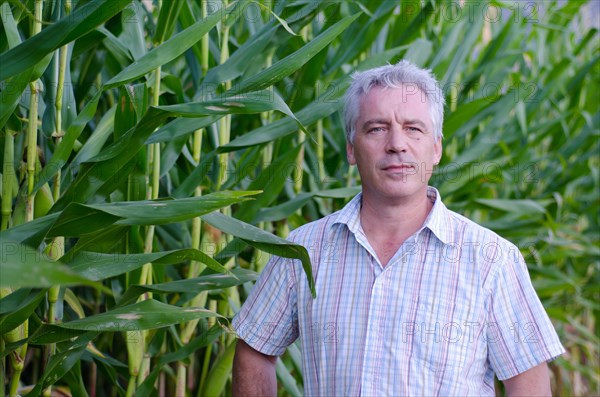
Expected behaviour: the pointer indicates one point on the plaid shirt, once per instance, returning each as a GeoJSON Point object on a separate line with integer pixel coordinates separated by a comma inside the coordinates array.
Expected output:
{"type": "Point", "coordinates": [452, 307]}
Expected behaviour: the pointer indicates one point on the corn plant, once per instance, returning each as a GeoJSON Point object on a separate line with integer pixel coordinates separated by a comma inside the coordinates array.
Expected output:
{"type": "Point", "coordinates": [156, 153]}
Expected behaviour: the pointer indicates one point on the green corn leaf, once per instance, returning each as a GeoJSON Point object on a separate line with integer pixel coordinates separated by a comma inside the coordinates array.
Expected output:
{"type": "Point", "coordinates": [62, 362]}
{"type": "Point", "coordinates": [64, 149]}
{"type": "Point", "coordinates": [237, 63]}
{"type": "Point", "coordinates": [247, 103]}
{"type": "Point", "coordinates": [147, 314]}
{"type": "Point", "coordinates": [270, 181]}
{"type": "Point", "coordinates": [112, 166]}
{"type": "Point", "coordinates": [22, 266]}
{"type": "Point", "coordinates": [263, 240]}
{"type": "Point", "coordinates": [295, 61]}
{"type": "Point", "coordinates": [169, 50]}
{"type": "Point", "coordinates": [167, 19]}
{"type": "Point", "coordinates": [191, 285]}
{"type": "Point", "coordinates": [287, 379]}
{"type": "Point", "coordinates": [17, 307]}
{"type": "Point", "coordinates": [204, 339]}
{"type": "Point", "coordinates": [99, 266]}
{"type": "Point", "coordinates": [76, 219]}
{"type": "Point", "coordinates": [519, 207]}
{"type": "Point", "coordinates": [81, 21]}
{"type": "Point", "coordinates": [94, 144]}
{"type": "Point", "coordinates": [220, 372]}
{"type": "Point", "coordinates": [181, 127]}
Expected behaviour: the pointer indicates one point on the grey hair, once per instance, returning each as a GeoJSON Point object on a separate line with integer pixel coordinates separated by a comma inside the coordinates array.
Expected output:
{"type": "Point", "coordinates": [404, 73]}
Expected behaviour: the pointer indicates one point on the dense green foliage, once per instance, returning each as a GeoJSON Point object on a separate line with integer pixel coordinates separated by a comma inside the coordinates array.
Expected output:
{"type": "Point", "coordinates": [152, 150]}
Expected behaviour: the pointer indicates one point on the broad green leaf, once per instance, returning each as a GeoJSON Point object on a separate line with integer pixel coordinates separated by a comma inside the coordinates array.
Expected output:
{"type": "Point", "coordinates": [17, 307]}
{"type": "Point", "coordinates": [98, 266]}
{"type": "Point", "coordinates": [81, 21]}
{"type": "Point", "coordinates": [286, 378]}
{"type": "Point", "coordinates": [64, 149]}
{"type": "Point", "coordinates": [61, 362]}
{"type": "Point", "coordinates": [31, 233]}
{"type": "Point", "coordinates": [283, 210]}
{"type": "Point", "coordinates": [133, 33]}
{"type": "Point", "coordinates": [10, 26]}
{"type": "Point", "coordinates": [94, 144]}
{"type": "Point", "coordinates": [263, 240]}
{"type": "Point", "coordinates": [364, 34]}
{"type": "Point", "coordinates": [465, 112]}
{"type": "Point", "coordinates": [115, 46]}
{"type": "Point", "coordinates": [79, 219]}
{"type": "Point", "coordinates": [344, 192]}
{"type": "Point", "coordinates": [289, 207]}
{"type": "Point", "coordinates": [127, 115]}
{"type": "Point", "coordinates": [319, 109]}
{"type": "Point", "coordinates": [169, 50]}
{"type": "Point", "coordinates": [52, 333]}
{"type": "Point", "coordinates": [191, 285]}
{"type": "Point", "coordinates": [147, 314]}
{"type": "Point", "coordinates": [520, 207]}
{"type": "Point", "coordinates": [237, 63]}
{"type": "Point", "coordinates": [187, 187]}
{"type": "Point", "coordinates": [181, 127]}
{"type": "Point", "coordinates": [74, 381]}
{"type": "Point", "coordinates": [22, 266]}
{"type": "Point", "coordinates": [293, 62]}
{"type": "Point", "coordinates": [106, 174]}
{"type": "Point", "coordinates": [247, 103]}
{"type": "Point", "coordinates": [468, 36]}
{"type": "Point", "coordinates": [103, 240]}
{"type": "Point", "coordinates": [220, 372]}
{"type": "Point", "coordinates": [16, 85]}
{"type": "Point", "coordinates": [204, 339]}
{"type": "Point", "coordinates": [281, 21]}
{"type": "Point", "coordinates": [270, 181]}
{"type": "Point", "coordinates": [167, 19]}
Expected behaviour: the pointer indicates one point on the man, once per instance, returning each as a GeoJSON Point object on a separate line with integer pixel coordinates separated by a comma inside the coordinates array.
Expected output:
{"type": "Point", "coordinates": [412, 299]}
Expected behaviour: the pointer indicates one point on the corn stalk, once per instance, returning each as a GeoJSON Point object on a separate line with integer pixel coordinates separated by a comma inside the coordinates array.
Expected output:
{"type": "Point", "coordinates": [17, 358]}
{"type": "Point", "coordinates": [57, 246]}
{"type": "Point", "coordinates": [8, 177]}
{"type": "Point", "coordinates": [138, 341]}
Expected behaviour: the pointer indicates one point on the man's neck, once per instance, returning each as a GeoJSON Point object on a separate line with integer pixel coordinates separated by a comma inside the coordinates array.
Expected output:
{"type": "Point", "coordinates": [387, 225]}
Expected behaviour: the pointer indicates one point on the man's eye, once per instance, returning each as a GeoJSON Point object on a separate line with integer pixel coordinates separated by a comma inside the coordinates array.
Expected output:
{"type": "Point", "coordinates": [376, 130]}
{"type": "Point", "coordinates": [413, 129]}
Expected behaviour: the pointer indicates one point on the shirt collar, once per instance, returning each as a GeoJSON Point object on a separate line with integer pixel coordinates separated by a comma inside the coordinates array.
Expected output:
{"type": "Point", "coordinates": [437, 221]}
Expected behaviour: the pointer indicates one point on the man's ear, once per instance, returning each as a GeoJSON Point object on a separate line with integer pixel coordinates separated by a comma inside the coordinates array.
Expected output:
{"type": "Point", "coordinates": [437, 151]}
{"type": "Point", "coordinates": [350, 153]}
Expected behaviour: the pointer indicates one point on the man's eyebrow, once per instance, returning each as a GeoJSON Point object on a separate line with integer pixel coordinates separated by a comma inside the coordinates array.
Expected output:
{"type": "Point", "coordinates": [415, 122]}
{"type": "Point", "coordinates": [375, 121]}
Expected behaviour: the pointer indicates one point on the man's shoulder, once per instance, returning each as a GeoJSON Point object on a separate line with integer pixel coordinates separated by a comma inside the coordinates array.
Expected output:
{"type": "Point", "coordinates": [475, 230]}
{"type": "Point", "coordinates": [314, 229]}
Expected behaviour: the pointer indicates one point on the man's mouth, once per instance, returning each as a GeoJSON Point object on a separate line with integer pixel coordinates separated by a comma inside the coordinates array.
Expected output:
{"type": "Point", "coordinates": [402, 167]}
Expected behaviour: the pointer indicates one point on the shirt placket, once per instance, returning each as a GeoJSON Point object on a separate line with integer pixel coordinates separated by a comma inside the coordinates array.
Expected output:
{"type": "Point", "coordinates": [373, 363]}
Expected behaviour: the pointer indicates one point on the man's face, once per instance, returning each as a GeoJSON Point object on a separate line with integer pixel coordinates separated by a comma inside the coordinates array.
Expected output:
{"type": "Point", "coordinates": [394, 145]}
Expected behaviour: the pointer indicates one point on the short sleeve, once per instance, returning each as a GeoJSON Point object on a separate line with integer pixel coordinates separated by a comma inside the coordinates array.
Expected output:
{"type": "Point", "coordinates": [268, 320]}
{"type": "Point", "coordinates": [520, 334]}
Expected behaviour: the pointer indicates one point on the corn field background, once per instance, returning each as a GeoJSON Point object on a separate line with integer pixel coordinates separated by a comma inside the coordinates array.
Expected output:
{"type": "Point", "coordinates": [155, 153]}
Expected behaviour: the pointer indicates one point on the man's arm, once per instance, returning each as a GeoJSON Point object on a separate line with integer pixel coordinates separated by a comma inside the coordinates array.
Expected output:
{"type": "Point", "coordinates": [533, 382]}
{"type": "Point", "coordinates": [253, 372]}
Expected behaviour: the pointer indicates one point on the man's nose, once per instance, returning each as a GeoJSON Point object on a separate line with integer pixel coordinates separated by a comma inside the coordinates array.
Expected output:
{"type": "Point", "coordinates": [396, 142]}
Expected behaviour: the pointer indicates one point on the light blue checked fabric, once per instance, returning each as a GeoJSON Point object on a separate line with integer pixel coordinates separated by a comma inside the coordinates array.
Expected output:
{"type": "Point", "coordinates": [452, 307]}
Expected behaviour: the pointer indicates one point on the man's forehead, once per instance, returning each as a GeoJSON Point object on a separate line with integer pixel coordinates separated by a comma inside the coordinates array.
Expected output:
{"type": "Point", "coordinates": [395, 97]}
{"type": "Point", "coordinates": [405, 90]}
